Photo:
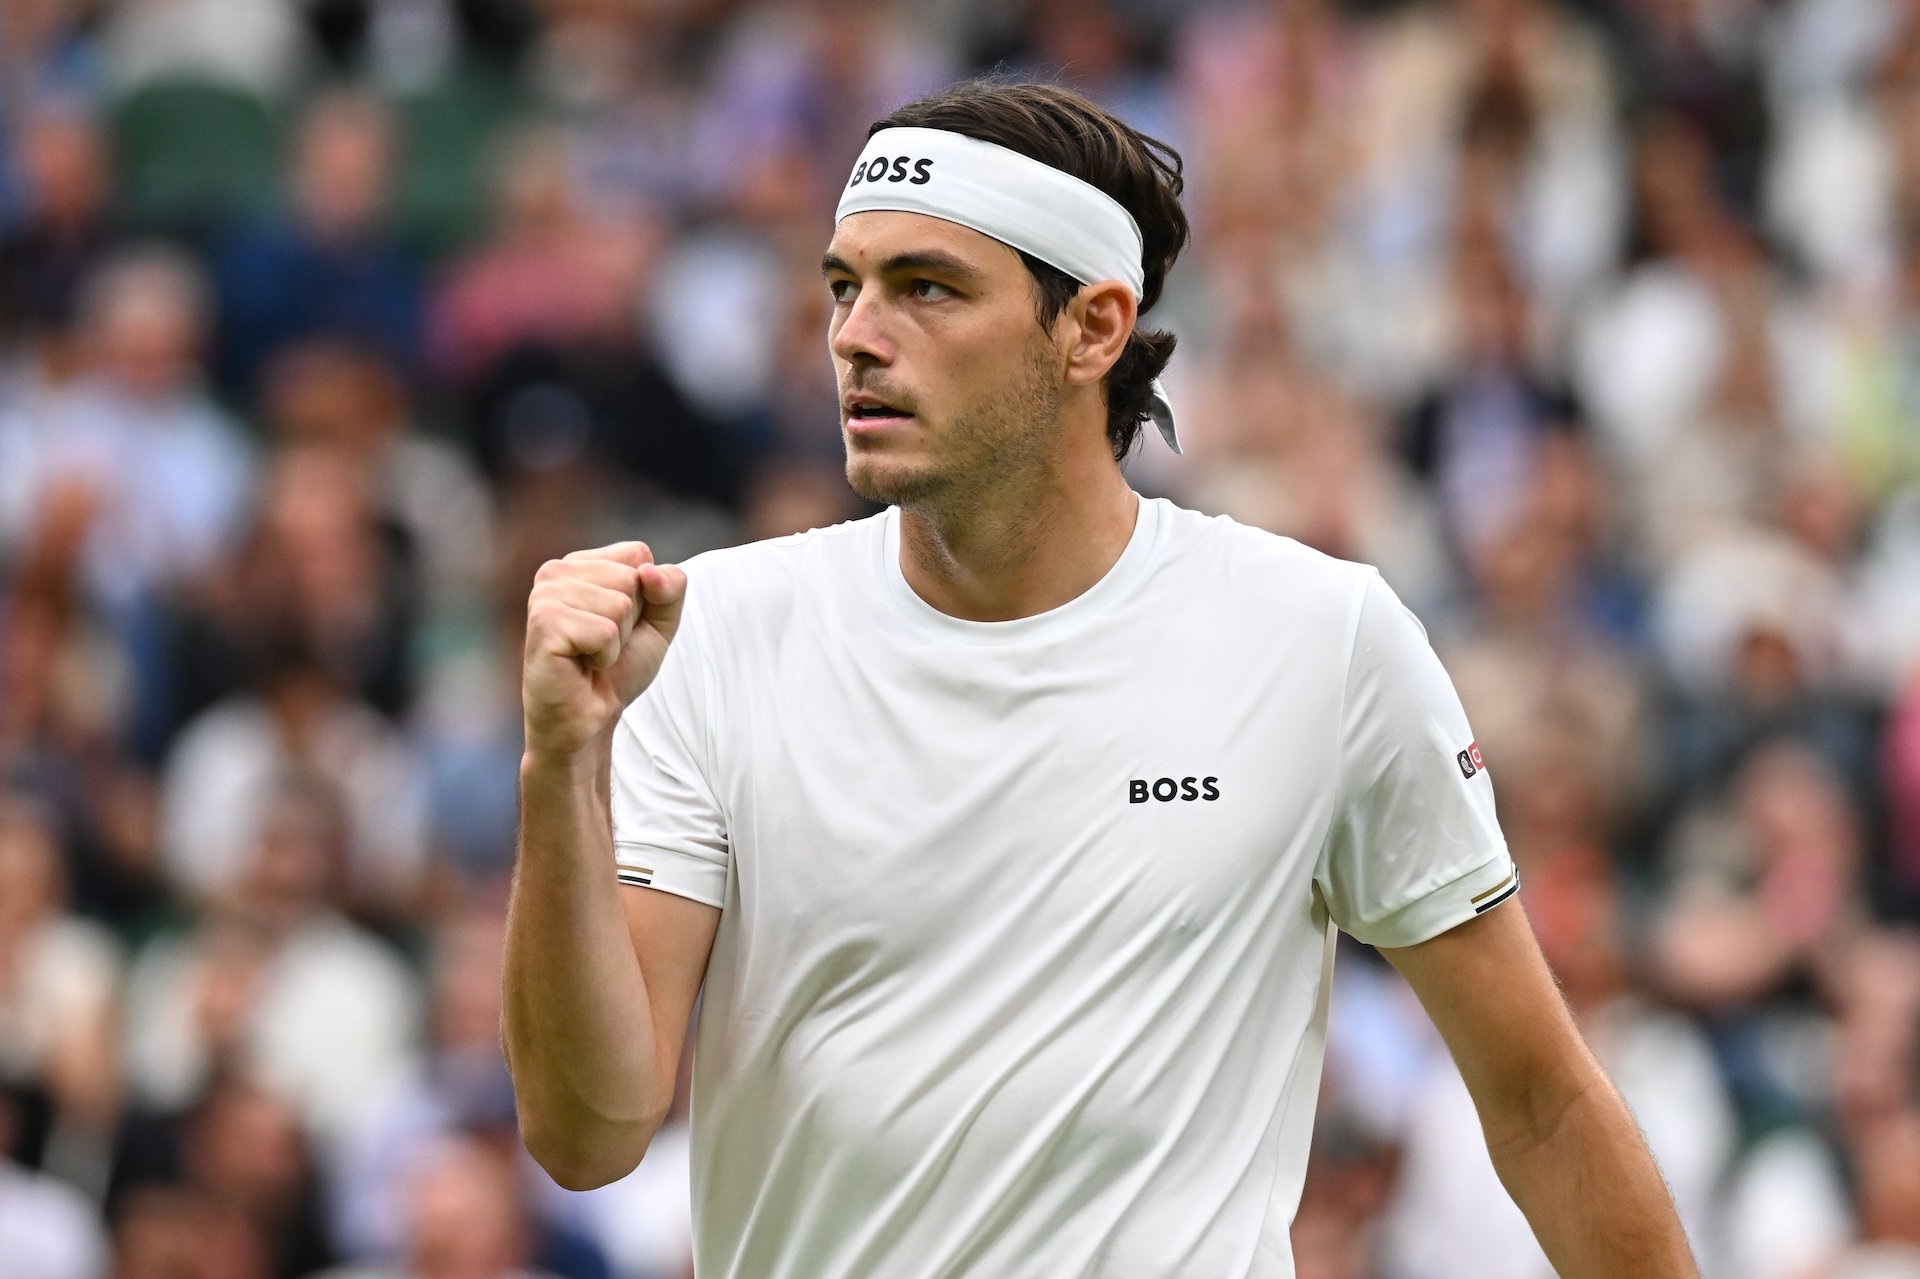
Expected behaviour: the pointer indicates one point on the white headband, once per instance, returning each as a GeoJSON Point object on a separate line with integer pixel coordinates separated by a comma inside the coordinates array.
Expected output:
{"type": "Point", "coordinates": [1033, 207]}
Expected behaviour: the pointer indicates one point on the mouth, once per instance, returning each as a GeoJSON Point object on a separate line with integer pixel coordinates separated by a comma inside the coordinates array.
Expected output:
{"type": "Point", "coordinates": [867, 414]}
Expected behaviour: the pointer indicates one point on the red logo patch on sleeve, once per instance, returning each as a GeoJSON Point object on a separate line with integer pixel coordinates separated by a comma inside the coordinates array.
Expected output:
{"type": "Point", "coordinates": [1470, 761]}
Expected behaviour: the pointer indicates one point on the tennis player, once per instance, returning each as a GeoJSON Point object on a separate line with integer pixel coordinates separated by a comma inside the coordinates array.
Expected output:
{"type": "Point", "coordinates": [1007, 830]}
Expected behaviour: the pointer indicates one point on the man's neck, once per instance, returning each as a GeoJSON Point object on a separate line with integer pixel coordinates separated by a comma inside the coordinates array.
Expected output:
{"type": "Point", "coordinates": [1027, 549]}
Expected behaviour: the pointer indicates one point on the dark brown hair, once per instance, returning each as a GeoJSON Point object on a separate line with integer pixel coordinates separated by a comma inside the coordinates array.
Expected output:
{"type": "Point", "coordinates": [1060, 128]}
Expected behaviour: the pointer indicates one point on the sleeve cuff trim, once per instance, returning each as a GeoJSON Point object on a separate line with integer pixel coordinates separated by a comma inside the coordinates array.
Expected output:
{"type": "Point", "coordinates": [701, 875]}
{"type": "Point", "coordinates": [1498, 893]}
{"type": "Point", "coordinates": [1471, 893]}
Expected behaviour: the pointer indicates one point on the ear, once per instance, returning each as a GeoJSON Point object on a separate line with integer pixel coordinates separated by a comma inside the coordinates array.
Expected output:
{"type": "Point", "coordinates": [1104, 314]}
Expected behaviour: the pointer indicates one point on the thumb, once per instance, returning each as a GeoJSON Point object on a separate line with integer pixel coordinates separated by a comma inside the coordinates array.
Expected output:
{"type": "Point", "coordinates": [663, 589]}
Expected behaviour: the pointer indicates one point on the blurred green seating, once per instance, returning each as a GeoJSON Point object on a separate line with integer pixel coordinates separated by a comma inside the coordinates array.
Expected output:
{"type": "Point", "coordinates": [442, 188]}
{"type": "Point", "coordinates": [192, 152]}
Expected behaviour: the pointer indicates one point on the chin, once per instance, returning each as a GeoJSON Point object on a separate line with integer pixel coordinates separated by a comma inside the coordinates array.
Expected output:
{"type": "Point", "coordinates": [892, 481]}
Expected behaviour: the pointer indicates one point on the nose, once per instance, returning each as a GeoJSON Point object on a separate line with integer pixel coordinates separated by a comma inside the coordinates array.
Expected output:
{"type": "Point", "coordinates": [858, 334]}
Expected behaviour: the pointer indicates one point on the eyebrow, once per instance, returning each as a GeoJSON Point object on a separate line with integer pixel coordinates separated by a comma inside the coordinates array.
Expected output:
{"type": "Point", "coordinates": [936, 260]}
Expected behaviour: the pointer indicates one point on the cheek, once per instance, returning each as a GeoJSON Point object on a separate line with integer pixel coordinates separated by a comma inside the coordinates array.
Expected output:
{"type": "Point", "coordinates": [979, 368]}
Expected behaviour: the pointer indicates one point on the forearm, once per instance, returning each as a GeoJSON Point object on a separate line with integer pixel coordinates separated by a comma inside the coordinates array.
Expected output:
{"type": "Point", "coordinates": [1565, 1145]}
{"type": "Point", "coordinates": [577, 1025]}
{"type": "Point", "coordinates": [1582, 1174]}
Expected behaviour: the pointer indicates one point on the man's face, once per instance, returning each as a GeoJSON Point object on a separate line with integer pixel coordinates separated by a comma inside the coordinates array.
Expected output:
{"type": "Point", "coordinates": [946, 377]}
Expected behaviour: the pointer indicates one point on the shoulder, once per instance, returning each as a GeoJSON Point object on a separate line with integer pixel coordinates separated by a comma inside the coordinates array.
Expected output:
{"type": "Point", "coordinates": [1264, 569]}
{"type": "Point", "coordinates": [769, 574]}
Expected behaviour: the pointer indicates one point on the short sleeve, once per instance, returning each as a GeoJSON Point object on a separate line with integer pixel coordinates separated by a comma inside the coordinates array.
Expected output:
{"type": "Point", "coordinates": [669, 830]}
{"type": "Point", "coordinates": [1414, 848]}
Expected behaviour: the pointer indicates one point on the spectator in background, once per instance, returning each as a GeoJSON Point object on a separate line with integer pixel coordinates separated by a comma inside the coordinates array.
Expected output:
{"type": "Point", "coordinates": [1750, 628]}
{"type": "Point", "coordinates": [790, 83]}
{"type": "Point", "coordinates": [1840, 181]}
{"type": "Point", "coordinates": [1273, 99]}
{"type": "Point", "coordinates": [243, 1151]}
{"type": "Point", "coordinates": [65, 690]}
{"type": "Point", "coordinates": [1540, 166]}
{"type": "Point", "coordinates": [629, 78]}
{"type": "Point", "coordinates": [1098, 47]}
{"type": "Point", "coordinates": [529, 283]}
{"type": "Point", "coordinates": [1763, 894]}
{"type": "Point", "coordinates": [48, 1230]}
{"type": "Point", "coordinates": [604, 402]}
{"type": "Point", "coordinates": [168, 1232]}
{"type": "Point", "coordinates": [1477, 437]}
{"type": "Point", "coordinates": [460, 1086]}
{"type": "Point", "coordinates": [134, 449]}
{"type": "Point", "coordinates": [59, 1004]}
{"type": "Point", "coordinates": [329, 265]}
{"type": "Point", "coordinates": [228, 764]}
{"type": "Point", "coordinates": [1704, 365]}
{"type": "Point", "coordinates": [121, 481]}
{"type": "Point", "coordinates": [466, 1218]}
{"type": "Point", "coordinates": [64, 227]}
{"type": "Point", "coordinates": [1526, 85]}
{"type": "Point", "coordinates": [354, 402]}
{"type": "Point", "coordinates": [274, 984]}
{"type": "Point", "coordinates": [61, 238]}
{"type": "Point", "coordinates": [1788, 1213]}
{"type": "Point", "coordinates": [541, 327]}
{"type": "Point", "coordinates": [44, 57]}
{"type": "Point", "coordinates": [322, 563]}
{"type": "Point", "coordinates": [1701, 60]}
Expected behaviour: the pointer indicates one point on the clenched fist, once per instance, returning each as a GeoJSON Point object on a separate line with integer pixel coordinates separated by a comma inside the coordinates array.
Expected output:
{"type": "Point", "coordinates": [598, 625]}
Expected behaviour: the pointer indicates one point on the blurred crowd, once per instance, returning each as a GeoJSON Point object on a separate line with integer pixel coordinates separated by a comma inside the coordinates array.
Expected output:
{"type": "Point", "coordinates": [324, 322]}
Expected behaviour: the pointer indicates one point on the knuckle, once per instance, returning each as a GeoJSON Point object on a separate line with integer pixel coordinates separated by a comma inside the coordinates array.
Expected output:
{"type": "Point", "coordinates": [549, 624]}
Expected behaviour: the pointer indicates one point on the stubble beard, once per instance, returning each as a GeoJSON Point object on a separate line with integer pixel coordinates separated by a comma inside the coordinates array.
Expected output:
{"type": "Point", "coordinates": [989, 447]}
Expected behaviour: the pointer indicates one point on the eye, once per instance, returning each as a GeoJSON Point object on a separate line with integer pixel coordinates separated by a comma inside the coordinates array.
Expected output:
{"type": "Point", "coordinates": [930, 290]}
{"type": "Point", "coordinates": [842, 290]}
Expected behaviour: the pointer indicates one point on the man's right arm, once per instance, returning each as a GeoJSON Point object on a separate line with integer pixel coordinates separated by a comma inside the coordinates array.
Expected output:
{"type": "Point", "coordinates": [599, 982]}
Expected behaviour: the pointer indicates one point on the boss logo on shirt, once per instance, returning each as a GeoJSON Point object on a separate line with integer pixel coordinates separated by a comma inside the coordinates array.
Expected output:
{"type": "Point", "coordinates": [1470, 761]}
{"type": "Point", "coordinates": [901, 168]}
{"type": "Point", "coordinates": [1168, 789]}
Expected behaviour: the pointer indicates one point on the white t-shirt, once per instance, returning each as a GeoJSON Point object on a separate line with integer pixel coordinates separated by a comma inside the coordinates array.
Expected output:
{"type": "Point", "coordinates": [1025, 944]}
